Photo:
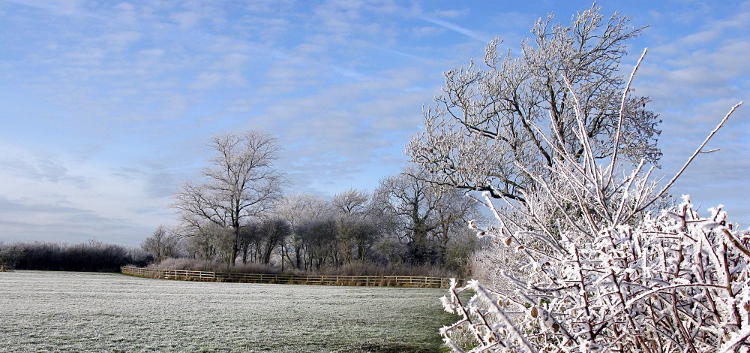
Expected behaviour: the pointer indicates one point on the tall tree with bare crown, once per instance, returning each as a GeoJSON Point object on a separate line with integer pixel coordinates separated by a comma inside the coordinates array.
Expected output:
{"type": "Point", "coordinates": [514, 113]}
{"type": "Point", "coordinates": [241, 184]}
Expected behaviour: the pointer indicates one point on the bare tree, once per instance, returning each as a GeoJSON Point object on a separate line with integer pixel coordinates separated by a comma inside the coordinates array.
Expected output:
{"type": "Point", "coordinates": [354, 231]}
{"type": "Point", "coordinates": [409, 201]}
{"type": "Point", "coordinates": [299, 210]}
{"type": "Point", "coordinates": [426, 213]}
{"type": "Point", "coordinates": [207, 241]}
{"type": "Point", "coordinates": [515, 114]}
{"type": "Point", "coordinates": [251, 241]}
{"type": "Point", "coordinates": [199, 241]}
{"type": "Point", "coordinates": [452, 214]}
{"type": "Point", "coordinates": [273, 232]}
{"type": "Point", "coordinates": [351, 201]}
{"type": "Point", "coordinates": [162, 244]}
{"type": "Point", "coordinates": [241, 184]}
{"type": "Point", "coordinates": [319, 237]}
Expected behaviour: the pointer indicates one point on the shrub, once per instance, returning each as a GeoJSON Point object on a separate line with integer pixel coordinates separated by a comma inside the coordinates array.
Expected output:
{"type": "Point", "coordinates": [211, 266]}
{"type": "Point", "coordinates": [9, 256]}
{"type": "Point", "coordinates": [675, 283]}
{"type": "Point", "coordinates": [92, 257]}
{"type": "Point", "coordinates": [391, 269]}
{"type": "Point", "coordinates": [585, 267]}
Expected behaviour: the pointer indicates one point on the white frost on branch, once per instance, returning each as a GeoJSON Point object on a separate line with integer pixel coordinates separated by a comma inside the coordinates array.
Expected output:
{"type": "Point", "coordinates": [582, 260]}
{"type": "Point", "coordinates": [606, 275]}
{"type": "Point", "coordinates": [668, 284]}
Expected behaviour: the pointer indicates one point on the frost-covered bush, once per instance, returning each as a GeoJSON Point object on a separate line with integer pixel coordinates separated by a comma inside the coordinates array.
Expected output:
{"type": "Point", "coordinates": [675, 283]}
{"type": "Point", "coordinates": [586, 265]}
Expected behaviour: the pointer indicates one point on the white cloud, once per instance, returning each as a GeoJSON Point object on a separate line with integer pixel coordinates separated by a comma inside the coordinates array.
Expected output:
{"type": "Point", "coordinates": [51, 193]}
{"type": "Point", "coordinates": [127, 94]}
{"type": "Point", "coordinates": [694, 80]}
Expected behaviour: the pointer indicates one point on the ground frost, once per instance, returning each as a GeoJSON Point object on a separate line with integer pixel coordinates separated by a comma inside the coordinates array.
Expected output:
{"type": "Point", "coordinates": [74, 312]}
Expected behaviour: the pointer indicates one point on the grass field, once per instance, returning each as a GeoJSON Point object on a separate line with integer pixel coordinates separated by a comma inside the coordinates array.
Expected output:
{"type": "Point", "coordinates": [92, 312]}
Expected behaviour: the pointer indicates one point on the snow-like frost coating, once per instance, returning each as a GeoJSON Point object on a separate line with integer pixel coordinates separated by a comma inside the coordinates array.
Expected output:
{"type": "Point", "coordinates": [93, 312]}
{"type": "Point", "coordinates": [676, 297]}
{"type": "Point", "coordinates": [586, 264]}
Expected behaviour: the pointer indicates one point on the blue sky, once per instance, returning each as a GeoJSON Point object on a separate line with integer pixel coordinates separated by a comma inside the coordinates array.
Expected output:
{"type": "Point", "coordinates": [105, 106]}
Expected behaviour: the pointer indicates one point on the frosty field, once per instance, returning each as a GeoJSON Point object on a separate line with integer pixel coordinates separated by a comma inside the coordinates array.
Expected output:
{"type": "Point", "coordinates": [92, 312]}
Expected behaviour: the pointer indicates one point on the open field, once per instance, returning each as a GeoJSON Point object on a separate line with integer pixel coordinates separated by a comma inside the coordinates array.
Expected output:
{"type": "Point", "coordinates": [92, 312]}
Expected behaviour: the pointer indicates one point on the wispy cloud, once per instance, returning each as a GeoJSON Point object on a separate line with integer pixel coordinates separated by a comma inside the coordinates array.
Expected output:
{"type": "Point", "coordinates": [484, 38]}
{"type": "Point", "coordinates": [108, 106]}
{"type": "Point", "coordinates": [61, 7]}
{"type": "Point", "coordinates": [693, 80]}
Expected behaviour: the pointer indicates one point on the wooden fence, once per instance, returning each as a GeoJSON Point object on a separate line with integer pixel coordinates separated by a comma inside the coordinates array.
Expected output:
{"type": "Point", "coordinates": [375, 281]}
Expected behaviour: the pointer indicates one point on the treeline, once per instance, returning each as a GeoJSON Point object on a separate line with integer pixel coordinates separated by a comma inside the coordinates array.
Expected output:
{"type": "Point", "coordinates": [89, 257]}
{"type": "Point", "coordinates": [238, 214]}
{"type": "Point", "coordinates": [406, 226]}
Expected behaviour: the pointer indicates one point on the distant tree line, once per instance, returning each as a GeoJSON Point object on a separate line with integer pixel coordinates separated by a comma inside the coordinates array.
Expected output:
{"type": "Point", "coordinates": [240, 218]}
{"type": "Point", "coordinates": [90, 257]}
{"type": "Point", "coordinates": [239, 215]}
{"type": "Point", "coordinates": [403, 223]}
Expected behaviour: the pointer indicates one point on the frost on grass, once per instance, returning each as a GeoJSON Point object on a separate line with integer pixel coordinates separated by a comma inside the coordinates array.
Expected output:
{"type": "Point", "coordinates": [85, 312]}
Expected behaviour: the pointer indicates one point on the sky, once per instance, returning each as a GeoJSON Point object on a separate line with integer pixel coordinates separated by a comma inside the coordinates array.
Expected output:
{"type": "Point", "coordinates": [107, 106]}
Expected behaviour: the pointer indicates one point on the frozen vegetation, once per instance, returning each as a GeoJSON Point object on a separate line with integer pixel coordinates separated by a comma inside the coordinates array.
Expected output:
{"type": "Point", "coordinates": [587, 252]}
{"type": "Point", "coordinates": [88, 312]}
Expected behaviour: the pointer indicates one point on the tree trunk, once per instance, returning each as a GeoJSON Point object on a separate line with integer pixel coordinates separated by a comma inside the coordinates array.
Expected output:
{"type": "Point", "coordinates": [235, 246]}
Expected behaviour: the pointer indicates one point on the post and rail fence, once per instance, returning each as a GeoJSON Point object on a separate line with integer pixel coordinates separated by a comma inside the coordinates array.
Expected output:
{"type": "Point", "coordinates": [332, 280]}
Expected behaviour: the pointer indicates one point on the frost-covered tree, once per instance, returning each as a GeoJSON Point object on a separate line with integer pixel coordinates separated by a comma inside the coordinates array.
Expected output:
{"type": "Point", "coordinates": [514, 113]}
{"type": "Point", "coordinates": [273, 232]}
{"type": "Point", "coordinates": [605, 276]}
{"type": "Point", "coordinates": [162, 244]}
{"type": "Point", "coordinates": [355, 227]}
{"type": "Point", "coordinates": [319, 239]}
{"type": "Point", "coordinates": [351, 202]}
{"type": "Point", "coordinates": [426, 216]}
{"type": "Point", "coordinates": [300, 210]}
{"type": "Point", "coordinates": [207, 241]}
{"type": "Point", "coordinates": [242, 184]}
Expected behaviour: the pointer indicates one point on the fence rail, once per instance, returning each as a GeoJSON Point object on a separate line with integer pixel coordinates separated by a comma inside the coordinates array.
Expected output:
{"type": "Point", "coordinates": [373, 281]}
